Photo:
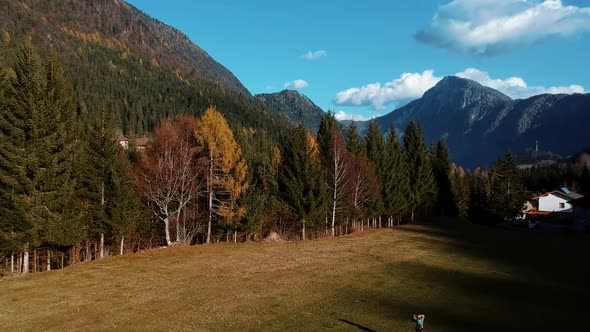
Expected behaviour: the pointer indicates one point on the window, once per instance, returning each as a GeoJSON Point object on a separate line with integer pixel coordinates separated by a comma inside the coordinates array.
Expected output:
{"type": "Point", "coordinates": [562, 205]}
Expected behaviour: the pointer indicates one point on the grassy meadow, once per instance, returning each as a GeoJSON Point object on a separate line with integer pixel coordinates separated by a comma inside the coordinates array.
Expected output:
{"type": "Point", "coordinates": [464, 277]}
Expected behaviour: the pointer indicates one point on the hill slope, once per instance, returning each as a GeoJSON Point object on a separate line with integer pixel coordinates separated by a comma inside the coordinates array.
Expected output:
{"type": "Point", "coordinates": [296, 107]}
{"type": "Point", "coordinates": [480, 124]}
{"type": "Point", "coordinates": [454, 272]}
{"type": "Point", "coordinates": [122, 61]}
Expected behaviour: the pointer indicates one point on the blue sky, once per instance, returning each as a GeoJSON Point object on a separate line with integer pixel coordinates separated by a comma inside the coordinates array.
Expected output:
{"type": "Point", "coordinates": [365, 58]}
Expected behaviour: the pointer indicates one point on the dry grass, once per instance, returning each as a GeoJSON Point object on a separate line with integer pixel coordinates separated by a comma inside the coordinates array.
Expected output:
{"type": "Point", "coordinates": [464, 277]}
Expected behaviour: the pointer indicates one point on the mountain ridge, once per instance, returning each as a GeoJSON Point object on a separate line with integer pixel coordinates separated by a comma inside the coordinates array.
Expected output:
{"type": "Point", "coordinates": [295, 106]}
{"type": "Point", "coordinates": [480, 123]}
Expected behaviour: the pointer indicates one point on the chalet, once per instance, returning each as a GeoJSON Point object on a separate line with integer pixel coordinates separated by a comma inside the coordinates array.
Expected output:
{"type": "Point", "coordinates": [556, 201]}
{"type": "Point", "coordinates": [141, 142]}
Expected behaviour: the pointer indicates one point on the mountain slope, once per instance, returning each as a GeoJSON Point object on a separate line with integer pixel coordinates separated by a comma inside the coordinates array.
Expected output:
{"type": "Point", "coordinates": [480, 124]}
{"type": "Point", "coordinates": [296, 107]}
{"type": "Point", "coordinates": [118, 21]}
{"type": "Point", "coordinates": [121, 61]}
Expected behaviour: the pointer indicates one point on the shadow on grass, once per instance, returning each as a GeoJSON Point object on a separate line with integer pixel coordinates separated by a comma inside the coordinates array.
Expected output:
{"type": "Point", "coordinates": [516, 281]}
{"type": "Point", "coordinates": [360, 327]}
{"type": "Point", "coordinates": [459, 301]}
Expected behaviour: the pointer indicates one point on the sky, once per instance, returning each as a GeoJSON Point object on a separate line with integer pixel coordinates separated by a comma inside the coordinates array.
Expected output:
{"type": "Point", "coordinates": [361, 59]}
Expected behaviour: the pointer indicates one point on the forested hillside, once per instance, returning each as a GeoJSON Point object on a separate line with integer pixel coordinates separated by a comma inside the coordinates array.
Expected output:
{"type": "Point", "coordinates": [122, 62]}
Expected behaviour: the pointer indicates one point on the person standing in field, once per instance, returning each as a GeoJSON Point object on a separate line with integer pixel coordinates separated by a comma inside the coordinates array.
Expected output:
{"type": "Point", "coordinates": [419, 319]}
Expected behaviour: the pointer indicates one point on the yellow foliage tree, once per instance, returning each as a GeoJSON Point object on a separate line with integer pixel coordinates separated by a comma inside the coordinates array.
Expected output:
{"type": "Point", "coordinates": [227, 169]}
{"type": "Point", "coordinates": [6, 38]}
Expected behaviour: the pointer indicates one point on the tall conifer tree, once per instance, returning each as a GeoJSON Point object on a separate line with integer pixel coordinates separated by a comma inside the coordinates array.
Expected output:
{"type": "Point", "coordinates": [395, 184]}
{"type": "Point", "coordinates": [445, 203]}
{"type": "Point", "coordinates": [422, 182]}
{"type": "Point", "coordinates": [375, 146]}
{"type": "Point", "coordinates": [303, 178]}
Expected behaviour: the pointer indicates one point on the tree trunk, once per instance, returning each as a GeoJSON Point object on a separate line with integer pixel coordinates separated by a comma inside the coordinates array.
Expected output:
{"type": "Point", "coordinates": [210, 200]}
{"type": "Point", "coordinates": [333, 214]}
{"type": "Point", "coordinates": [62, 260]}
{"type": "Point", "coordinates": [25, 268]}
{"type": "Point", "coordinates": [122, 244]}
{"type": "Point", "coordinates": [412, 218]}
{"type": "Point", "coordinates": [101, 253]}
{"type": "Point", "coordinates": [379, 221]}
{"type": "Point", "coordinates": [167, 230]}
{"type": "Point", "coordinates": [235, 236]}
{"type": "Point", "coordinates": [48, 260]}
{"type": "Point", "coordinates": [11, 263]}
{"type": "Point", "coordinates": [303, 230]}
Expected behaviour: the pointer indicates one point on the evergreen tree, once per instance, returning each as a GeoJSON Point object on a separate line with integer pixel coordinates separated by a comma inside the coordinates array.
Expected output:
{"type": "Point", "coordinates": [38, 151]}
{"type": "Point", "coordinates": [354, 142]}
{"type": "Point", "coordinates": [507, 194]}
{"type": "Point", "coordinates": [105, 184]}
{"type": "Point", "coordinates": [479, 196]}
{"type": "Point", "coordinates": [303, 178]}
{"type": "Point", "coordinates": [375, 146]}
{"type": "Point", "coordinates": [328, 126]}
{"type": "Point", "coordinates": [445, 204]}
{"type": "Point", "coordinates": [422, 182]}
{"type": "Point", "coordinates": [395, 183]}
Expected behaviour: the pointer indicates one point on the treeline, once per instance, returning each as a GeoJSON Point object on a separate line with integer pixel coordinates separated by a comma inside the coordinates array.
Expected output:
{"type": "Point", "coordinates": [70, 193]}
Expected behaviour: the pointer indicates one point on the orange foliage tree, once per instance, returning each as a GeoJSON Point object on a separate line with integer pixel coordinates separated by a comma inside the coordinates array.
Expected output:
{"type": "Point", "coordinates": [227, 170]}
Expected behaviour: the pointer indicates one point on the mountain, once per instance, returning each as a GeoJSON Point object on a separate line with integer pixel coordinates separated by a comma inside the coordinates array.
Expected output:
{"type": "Point", "coordinates": [121, 61]}
{"type": "Point", "coordinates": [480, 124]}
{"type": "Point", "coordinates": [296, 107]}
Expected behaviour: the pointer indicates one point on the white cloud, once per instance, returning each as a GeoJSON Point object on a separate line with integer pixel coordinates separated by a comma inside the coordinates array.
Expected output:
{"type": "Point", "coordinates": [515, 87]}
{"type": "Point", "coordinates": [314, 55]}
{"type": "Point", "coordinates": [491, 27]}
{"type": "Point", "coordinates": [408, 86]}
{"type": "Point", "coordinates": [413, 85]}
{"type": "Point", "coordinates": [341, 115]}
{"type": "Point", "coordinates": [297, 84]}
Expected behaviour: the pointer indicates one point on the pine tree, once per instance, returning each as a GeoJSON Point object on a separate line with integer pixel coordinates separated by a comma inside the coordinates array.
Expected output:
{"type": "Point", "coordinates": [303, 178]}
{"type": "Point", "coordinates": [445, 204]}
{"type": "Point", "coordinates": [395, 183]}
{"type": "Point", "coordinates": [328, 126]}
{"type": "Point", "coordinates": [375, 146]}
{"type": "Point", "coordinates": [37, 152]}
{"type": "Point", "coordinates": [354, 141]}
{"type": "Point", "coordinates": [507, 194]}
{"type": "Point", "coordinates": [422, 182]}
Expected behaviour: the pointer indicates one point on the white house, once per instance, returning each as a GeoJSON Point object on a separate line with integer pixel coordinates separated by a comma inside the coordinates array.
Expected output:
{"type": "Point", "coordinates": [557, 201]}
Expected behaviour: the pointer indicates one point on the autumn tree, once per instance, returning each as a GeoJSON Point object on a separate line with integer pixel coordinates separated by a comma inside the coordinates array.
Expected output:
{"type": "Point", "coordinates": [227, 170]}
{"type": "Point", "coordinates": [363, 186]}
{"type": "Point", "coordinates": [460, 185]}
{"type": "Point", "coordinates": [302, 177]}
{"type": "Point", "coordinates": [422, 182]}
{"type": "Point", "coordinates": [168, 174]}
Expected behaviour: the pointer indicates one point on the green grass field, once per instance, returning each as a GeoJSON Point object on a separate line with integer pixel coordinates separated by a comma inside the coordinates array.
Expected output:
{"type": "Point", "coordinates": [463, 277]}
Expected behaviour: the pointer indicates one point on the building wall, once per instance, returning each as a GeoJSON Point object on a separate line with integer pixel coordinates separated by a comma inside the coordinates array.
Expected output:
{"type": "Point", "coordinates": [551, 203]}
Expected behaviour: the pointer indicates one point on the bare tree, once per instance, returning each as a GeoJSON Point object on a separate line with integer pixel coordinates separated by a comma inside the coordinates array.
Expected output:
{"type": "Point", "coordinates": [168, 173]}
{"type": "Point", "coordinates": [339, 173]}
